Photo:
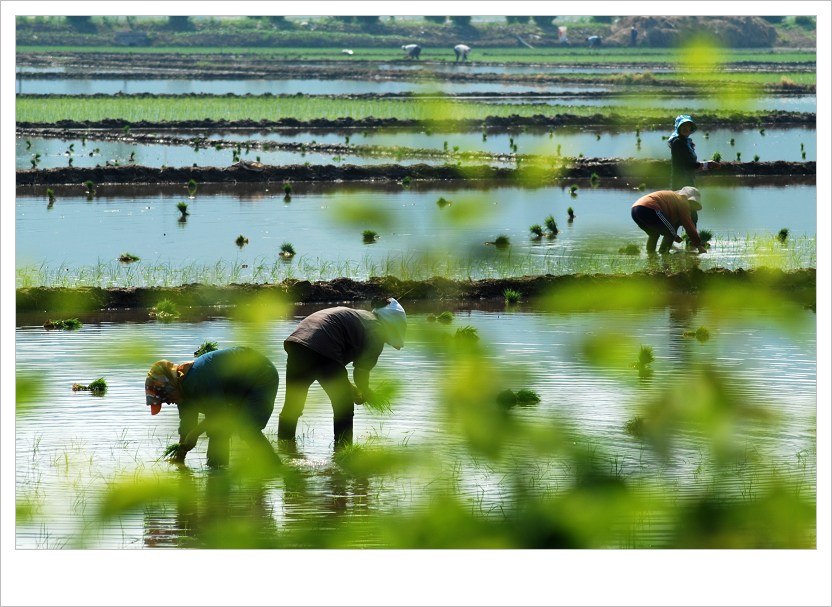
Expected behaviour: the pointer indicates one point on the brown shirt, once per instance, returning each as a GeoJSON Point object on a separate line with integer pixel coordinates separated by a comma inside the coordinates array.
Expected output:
{"type": "Point", "coordinates": [675, 209]}
{"type": "Point", "coordinates": [342, 334]}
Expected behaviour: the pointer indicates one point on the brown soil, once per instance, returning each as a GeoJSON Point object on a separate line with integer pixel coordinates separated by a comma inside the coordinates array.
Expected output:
{"type": "Point", "coordinates": [798, 286]}
{"type": "Point", "coordinates": [767, 119]}
{"type": "Point", "coordinates": [627, 170]}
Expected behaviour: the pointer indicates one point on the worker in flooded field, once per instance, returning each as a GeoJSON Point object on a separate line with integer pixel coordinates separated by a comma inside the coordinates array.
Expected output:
{"type": "Point", "coordinates": [461, 51]}
{"type": "Point", "coordinates": [683, 161]}
{"type": "Point", "coordinates": [661, 213]}
{"type": "Point", "coordinates": [321, 347]}
{"type": "Point", "coordinates": [234, 389]}
{"type": "Point", "coordinates": [593, 41]}
{"type": "Point", "coordinates": [412, 51]}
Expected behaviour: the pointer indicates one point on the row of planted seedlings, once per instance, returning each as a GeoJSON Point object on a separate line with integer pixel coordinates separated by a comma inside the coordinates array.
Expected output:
{"type": "Point", "coordinates": [783, 251]}
{"type": "Point", "coordinates": [544, 149]}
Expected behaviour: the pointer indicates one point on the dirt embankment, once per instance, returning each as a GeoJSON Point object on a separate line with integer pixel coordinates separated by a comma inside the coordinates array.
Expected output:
{"type": "Point", "coordinates": [798, 286]}
{"type": "Point", "coordinates": [612, 120]}
{"type": "Point", "coordinates": [637, 171]}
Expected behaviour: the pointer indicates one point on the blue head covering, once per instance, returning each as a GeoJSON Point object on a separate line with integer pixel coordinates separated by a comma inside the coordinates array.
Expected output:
{"type": "Point", "coordinates": [680, 120]}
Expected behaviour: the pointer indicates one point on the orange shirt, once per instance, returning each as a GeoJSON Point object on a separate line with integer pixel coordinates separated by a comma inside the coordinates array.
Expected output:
{"type": "Point", "coordinates": [675, 209]}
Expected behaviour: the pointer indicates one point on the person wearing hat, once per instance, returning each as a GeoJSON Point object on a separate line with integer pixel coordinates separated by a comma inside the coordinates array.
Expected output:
{"type": "Point", "coordinates": [661, 213]}
{"type": "Point", "coordinates": [683, 160]}
{"type": "Point", "coordinates": [234, 389]}
{"type": "Point", "coordinates": [321, 347]}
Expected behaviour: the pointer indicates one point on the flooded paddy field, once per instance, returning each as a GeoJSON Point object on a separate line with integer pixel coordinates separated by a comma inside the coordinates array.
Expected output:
{"type": "Point", "coordinates": [74, 449]}
{"type": "Point", "coordinates": [567, 94]}
{"type": "Point", "coordinates": [88, 148]}
{"type": "Point", "coordinates": [288, 86]}
{"type": "Point", "coordinates": [664, 418]}
{"type": "Point", "coordinates": [437, 228]}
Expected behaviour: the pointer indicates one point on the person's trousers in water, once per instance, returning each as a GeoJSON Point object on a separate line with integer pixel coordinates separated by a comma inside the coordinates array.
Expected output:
{"type": "Point", "coordinates": [246, 417]}
{"type": "Point", "coordinates": [303, 367]}
{"type": "Point", "coordinates": [655, 224]}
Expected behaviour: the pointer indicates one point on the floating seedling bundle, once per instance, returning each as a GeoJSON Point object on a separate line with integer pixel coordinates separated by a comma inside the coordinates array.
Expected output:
{"type": "Point", "coordinates": [165, 311]}
{"type": "Point", "coordinates": [67, 324]}
{"type": "Point", "coordinates": [99, 386]}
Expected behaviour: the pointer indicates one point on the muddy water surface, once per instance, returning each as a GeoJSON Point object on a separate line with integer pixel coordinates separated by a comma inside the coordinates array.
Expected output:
{"type": "Point", "coordinates": [774, 144]}
{"type": "Point", "coordinates": [72, 86]}
{"type": "Point", "coordinates": [325, 228]}
{"type": "Point", "coordinates": [71, 444]}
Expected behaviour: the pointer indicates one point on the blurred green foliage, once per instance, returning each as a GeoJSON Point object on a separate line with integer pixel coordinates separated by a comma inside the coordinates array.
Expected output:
{"type": "Point", "coordinates": [499, 479]}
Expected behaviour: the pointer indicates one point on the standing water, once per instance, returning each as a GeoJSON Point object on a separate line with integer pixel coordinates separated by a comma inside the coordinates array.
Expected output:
{"type": "Point", "coordinates": [73, 446]}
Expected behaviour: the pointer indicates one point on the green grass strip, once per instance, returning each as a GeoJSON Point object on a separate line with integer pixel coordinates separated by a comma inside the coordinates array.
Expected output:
{"type": "Point", "coordinates": [185, 107]}
{"type": "Point", "coordinates": [550, 55]}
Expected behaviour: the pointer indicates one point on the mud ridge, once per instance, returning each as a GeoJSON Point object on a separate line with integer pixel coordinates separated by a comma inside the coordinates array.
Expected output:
{"type": "Point", "coordinates": [798, 286]}
{"type": "Point", "coordinates": [768, 119]}
{"type": "Point", "coordinates": [573, 168]}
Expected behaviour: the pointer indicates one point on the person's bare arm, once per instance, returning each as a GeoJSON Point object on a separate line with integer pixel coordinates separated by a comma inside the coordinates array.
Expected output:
{"type": "Point", "coordinates": [361, 377]}
{"type": "Point", "coordinates": [692, 233]}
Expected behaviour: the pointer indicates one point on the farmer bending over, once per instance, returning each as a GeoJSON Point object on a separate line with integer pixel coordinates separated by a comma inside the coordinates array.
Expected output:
{"type": "Point", "coordinates": [233, 388]}
{"type": "Point", "coordinates": [412, 51]}
{"type": "Point", "coordinates": [321, 347]}
{"type": "Point", "coordinates": [661, 213]}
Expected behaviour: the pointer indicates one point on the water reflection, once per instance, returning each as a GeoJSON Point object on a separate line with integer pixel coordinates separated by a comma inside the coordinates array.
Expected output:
{"type": "Point", "coordinates": [66, 452]}
{"type": "Point", "coordinates": [72, 86]}
{"type": "Point", "coordinates": [327, 244]}
{"type": "Point", "coordinates": [792, 144]}
{"type": "Point", "coordinates": [214, 510]}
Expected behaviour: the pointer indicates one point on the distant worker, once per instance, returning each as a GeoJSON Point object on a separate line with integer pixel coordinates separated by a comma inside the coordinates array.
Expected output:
{"type": "Point", "coordinates": [346, 51]}
{"type": "Point", "coordinates": [461, 51]}
{"type": "Point", "coordinates": [234, 389]}
{"type": "Point", "coordinates": [593, 41]}
{"type": "Point", "coordinates": [661, 213]}
{"type": "Point", "coordinates": [633, 35]}
{"type": "Point", "coordinates": [412, 51]}
{"type": "Point", "coordinates": [321, 347]}
{"type": "Point", "coordinates": [683, 160]}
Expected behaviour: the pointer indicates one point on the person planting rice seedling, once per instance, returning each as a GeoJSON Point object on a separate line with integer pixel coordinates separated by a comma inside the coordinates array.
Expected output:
{"type": "Point", "coordinates": [412, 51]}
{"type": "Point", "coordinates": [683, 160]}
{"type": "Point", "coordinates": [461, 52]}
{"type": "Point", "coordinates": [321, 347]}
{"type": "Point", "coordinates": [234, 389]}
{"type": "Point", "coordinates": [661, 213]}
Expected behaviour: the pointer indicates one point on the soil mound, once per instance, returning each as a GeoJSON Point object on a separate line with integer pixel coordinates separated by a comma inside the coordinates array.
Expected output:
{"type": "Point", "coordinates": [733, 32]}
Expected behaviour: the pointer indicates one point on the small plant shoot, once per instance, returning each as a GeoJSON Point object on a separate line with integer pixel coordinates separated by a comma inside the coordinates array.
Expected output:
{"type": "Point", "coordinates": [205, 347]}
{"type": "Point", "coordinates": [551, 226]}
{"type": "Point", "coordinates": [165, 311]}
{"type": "Point", "coordinates": [445, 317]}
{"type": "Point", "coordinates": [511, 296]}
{"type": "Point", "coordinates": [66, 324]}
